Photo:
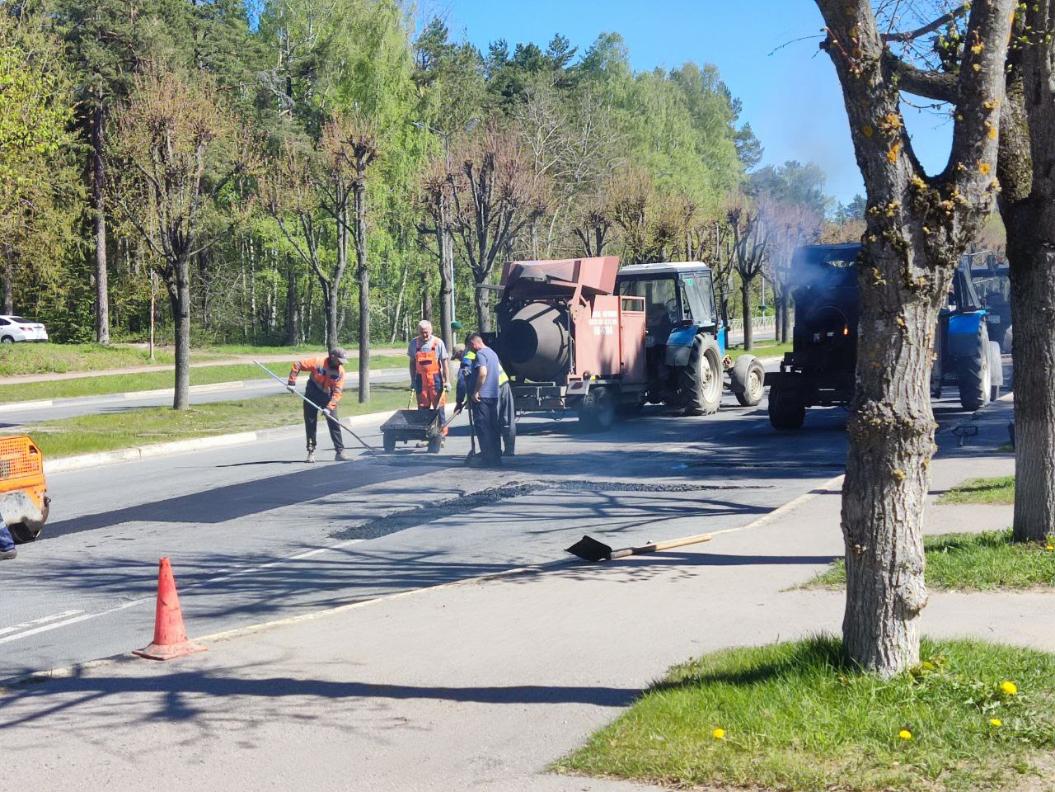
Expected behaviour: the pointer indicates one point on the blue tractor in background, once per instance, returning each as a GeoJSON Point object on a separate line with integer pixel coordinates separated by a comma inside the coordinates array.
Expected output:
{"type": "Point", "coordinates": [686, 340]}
{"type": "Point", "coordinates": [820, 369]}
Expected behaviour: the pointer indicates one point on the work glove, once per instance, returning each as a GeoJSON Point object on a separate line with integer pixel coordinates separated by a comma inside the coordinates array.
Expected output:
{"type": "Point", "coordinates": [291, 387]}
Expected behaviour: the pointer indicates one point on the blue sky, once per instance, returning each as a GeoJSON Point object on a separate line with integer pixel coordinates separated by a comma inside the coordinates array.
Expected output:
{"type": "Point", "coordinates": [788, 87]}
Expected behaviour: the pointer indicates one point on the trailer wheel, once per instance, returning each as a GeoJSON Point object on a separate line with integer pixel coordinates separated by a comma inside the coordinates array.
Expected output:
{"type": "Point", "coordinates": [702, 378]}
{"type": "Point", "coordinates": [598, 409]}
{"type": "Point", "coordinates": [786, 410]}
{"type": "Point", "coordinates": [23, 532]}
{"type": "Point", "coordinates": [974, 375]}
{"type": "Point", "coordinates": [746, 380]}
{"type": "Point", "coordinates": [435, 444]}
{"type": "Point", "coordinates": [389, 442]}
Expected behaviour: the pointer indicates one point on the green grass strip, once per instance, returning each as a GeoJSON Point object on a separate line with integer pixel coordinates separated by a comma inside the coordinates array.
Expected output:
{"type": "Point", "coordinates": [992, 491]}
{"type": "Point", "coordinates": [110, 431]}
{"type": "Point", "coordinates": [768, 348]}
{"type": "Point", "coordinates": [792, 716]}
{"type": "Point", "coordinates": [973, 562]}
{"type": "Point", "coordinates": [130, 383]}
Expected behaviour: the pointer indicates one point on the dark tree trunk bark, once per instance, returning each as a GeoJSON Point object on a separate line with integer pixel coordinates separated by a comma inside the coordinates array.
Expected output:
{"type": "Point", "coordinates": [426, 297]}
{"type": "Point", "coordinates": [745, 304]}
{"type": "Point", "coordinates": [917, 227]}
{"type": "Point", "coordinates": [359, 199]}
{"type": "Point", "coordinates": [483, 308]}
{"type": "Point", "coordinates": [446, 246]}
{"type": "Point", "coordinates": [179, 297]}
{"type": "Point", "coordinates": [1030, 246]}
{"type": "Point", "coordinates": [292, 312]}
{"type": "Point", "coordinates": [102, 299]}
{"type": "Point", "coordinates": [330, 297]}
{"type": "Point", "coordinates": [9, 284]}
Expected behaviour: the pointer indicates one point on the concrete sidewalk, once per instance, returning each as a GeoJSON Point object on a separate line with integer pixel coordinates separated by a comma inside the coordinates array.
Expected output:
{"type": "Point", "coordinates": [476, 685]}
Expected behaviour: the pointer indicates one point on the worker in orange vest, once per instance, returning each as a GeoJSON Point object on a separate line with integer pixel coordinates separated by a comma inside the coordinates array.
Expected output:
{"type": "Point", "coordinates": [429, 370]}
{"type": "Point", "coordinates": [325, 386]}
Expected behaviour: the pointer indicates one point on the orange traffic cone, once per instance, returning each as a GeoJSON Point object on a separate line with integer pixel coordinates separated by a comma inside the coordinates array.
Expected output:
{"type": "Point", "coordinates": [170, 636]}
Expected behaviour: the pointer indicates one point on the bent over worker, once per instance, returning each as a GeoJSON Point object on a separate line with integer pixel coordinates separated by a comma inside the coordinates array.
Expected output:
{"type": "Point", "coordinates": [429, 370]}
{"type": "Point", "coordinates": [325, 386]}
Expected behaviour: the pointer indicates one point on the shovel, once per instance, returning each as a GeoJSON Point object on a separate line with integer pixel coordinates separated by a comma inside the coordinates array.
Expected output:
{"type": "Point", "coordinates": [590, 549]}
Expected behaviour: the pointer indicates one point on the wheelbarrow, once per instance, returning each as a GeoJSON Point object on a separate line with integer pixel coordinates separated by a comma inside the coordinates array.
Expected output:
{"type": "Point", "coordinates": [413, 425]}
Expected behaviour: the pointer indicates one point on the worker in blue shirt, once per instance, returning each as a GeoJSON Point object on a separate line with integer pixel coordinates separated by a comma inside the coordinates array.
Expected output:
{"type": "Point", "coordinates": [483, 401]}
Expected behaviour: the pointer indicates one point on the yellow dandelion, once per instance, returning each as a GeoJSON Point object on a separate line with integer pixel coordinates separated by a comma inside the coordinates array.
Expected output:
{"type": "Point", "coordinates": [996, 723]}
{"type": "Point", "coordinates": [905, 734]}
{"type": "Point", "coordinates": [977, 48]}
{"type": "Point", "coordinates": [983, 167]}
{"type": "Point", "coordinates": [1008, 687]}
{"type": "Point", "coordinates": [718, 734]}
{"type": "Point", "coordinates": [1050, 547]}
{"type": "Point", "coordinates": [992, 133]}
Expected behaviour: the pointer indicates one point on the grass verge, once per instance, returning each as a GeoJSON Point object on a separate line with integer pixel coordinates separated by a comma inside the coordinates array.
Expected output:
{"type": "Point", "coordinates": [130, 383]}
{"type": "Point", "coordinates": [792, 716]}
{"type": "Point", "coordinates": [761, 349]}
{"type": "Point", "coordinates": [110, 431]}
{"type": "Point", "coordinates": [50, 358]}
{"type": "Point", "coordinates": [973, 562]}
{"type": "Point", "coordinates": [992, 491]}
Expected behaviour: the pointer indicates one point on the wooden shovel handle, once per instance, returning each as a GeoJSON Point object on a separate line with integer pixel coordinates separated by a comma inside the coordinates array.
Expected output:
{"type": "Point", "coordinates": [667, 544]}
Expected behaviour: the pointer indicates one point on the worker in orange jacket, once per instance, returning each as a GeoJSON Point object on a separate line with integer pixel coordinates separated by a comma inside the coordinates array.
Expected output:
{"type": "Point", "coordinates": [325, 385]}
{"type": "Point", "coordinates": [429, 370]}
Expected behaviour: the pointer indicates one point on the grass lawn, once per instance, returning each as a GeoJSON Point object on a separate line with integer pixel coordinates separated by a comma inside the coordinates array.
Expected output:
{"type": "Point", "coordinates": [767, 348]}
{"type": "Point", "coordinates": [124, 383]}
{"type": "Point", "coordinates": [793, 716]}
{"type": "Point", "coordinates": [106, 432]}
{"type": "Point", "coordinates": [48, 358]}
{"type": "Point", "coordinates": [993, 491]}
{"type": "Point", "coordinates": [973, 562]}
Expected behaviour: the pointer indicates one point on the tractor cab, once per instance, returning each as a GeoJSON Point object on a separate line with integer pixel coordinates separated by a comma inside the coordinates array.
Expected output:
{"type": "Point", "coordinates": [685, 342]}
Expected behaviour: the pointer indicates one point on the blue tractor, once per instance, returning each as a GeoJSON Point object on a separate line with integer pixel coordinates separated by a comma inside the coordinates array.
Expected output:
{"type": "Point", "coordinates": [686, 340]}
{"type": "Point", "coordinates": [820, 369]}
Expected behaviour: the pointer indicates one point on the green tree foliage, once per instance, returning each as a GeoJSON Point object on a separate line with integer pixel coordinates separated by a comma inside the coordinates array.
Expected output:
{"type": "Point", "coordinates": [606, 161]}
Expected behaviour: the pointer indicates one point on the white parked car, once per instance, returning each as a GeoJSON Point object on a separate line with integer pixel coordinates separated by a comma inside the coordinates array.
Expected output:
{"type": "Point", "coordinates": [15, 328]}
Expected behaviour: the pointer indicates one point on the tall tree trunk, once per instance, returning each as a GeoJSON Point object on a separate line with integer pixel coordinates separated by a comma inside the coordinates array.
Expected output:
{"type": "Point", "coordinates": [1030, 246]}
{"type": "Point", "coordinates": [426, 297]}
{"type": "Point", "coordinates": [483, 308]}
{"type": "Point", "coordinates": [359, 199]}
{"type": "Point", "coordinates": [891, 431]}
{"type": "Point", "coordinates": [9, 282]}
{"type": "Point", "coordinates": [292, 311]}
{"type": "Point", "coordinates": [102, 299]}
{"type": "Point", "coordinates": [179, 296]}
{"type": "Point", "coordinates": [745, 304]}
{"type": "Point", "coordinates": [446, 246]}
{"type": "Point", "coordinates": [329, 293]}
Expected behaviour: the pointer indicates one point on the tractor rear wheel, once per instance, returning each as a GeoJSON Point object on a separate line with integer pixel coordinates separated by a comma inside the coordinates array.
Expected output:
{"type": "Point", "coordinates": [598, 410]}
{"type": "Point", "coordinates": [786, 410]}
{"type": "Point", "coordinates": [746, 380]}
{"type": "Point", "coordinates": [974, 375]}
{"type": "Point", "coordinates": [702, 378]}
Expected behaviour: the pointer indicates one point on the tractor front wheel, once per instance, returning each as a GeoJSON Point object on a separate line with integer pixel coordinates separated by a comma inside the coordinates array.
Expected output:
{"type": "Point", "coordinates": [786, 409]}
{"type": "Point", "coordinates": [746, 380]}
{"type": "Point", "coordinates": [702, 378]}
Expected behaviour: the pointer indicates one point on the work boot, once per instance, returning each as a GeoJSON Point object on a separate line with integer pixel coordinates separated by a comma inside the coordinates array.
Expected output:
{"type": "Point", "coordinates": [6, 554]}
{"type": "Point", "coordinates": [340, 456]}
{"type": "Point", "coordinates": [311, 456]}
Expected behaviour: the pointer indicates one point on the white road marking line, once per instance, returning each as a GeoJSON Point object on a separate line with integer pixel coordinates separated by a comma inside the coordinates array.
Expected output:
{"type": "Point", "coordinates": [41, 620]}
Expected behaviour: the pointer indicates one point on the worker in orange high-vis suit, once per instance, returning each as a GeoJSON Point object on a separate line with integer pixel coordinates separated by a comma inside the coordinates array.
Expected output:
{"type": "Point", "coordinates": [429, 370]}
{"type": "Point", "coordinates": [325, 384]}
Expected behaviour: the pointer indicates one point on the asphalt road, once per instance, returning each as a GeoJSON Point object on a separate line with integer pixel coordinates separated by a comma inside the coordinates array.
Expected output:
{"type": "Point", "coordinates": [12, 416]}
{"type": "Point", "coordinates": [255, 534]}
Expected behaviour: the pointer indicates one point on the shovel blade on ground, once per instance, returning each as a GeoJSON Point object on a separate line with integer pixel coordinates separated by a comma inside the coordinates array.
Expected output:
{"type": "Point", "coordinates": [590, 549]}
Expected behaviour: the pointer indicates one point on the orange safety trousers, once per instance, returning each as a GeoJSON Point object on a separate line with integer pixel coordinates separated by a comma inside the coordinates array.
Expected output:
{"type": "Point", "coordinates": [431, 395]}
